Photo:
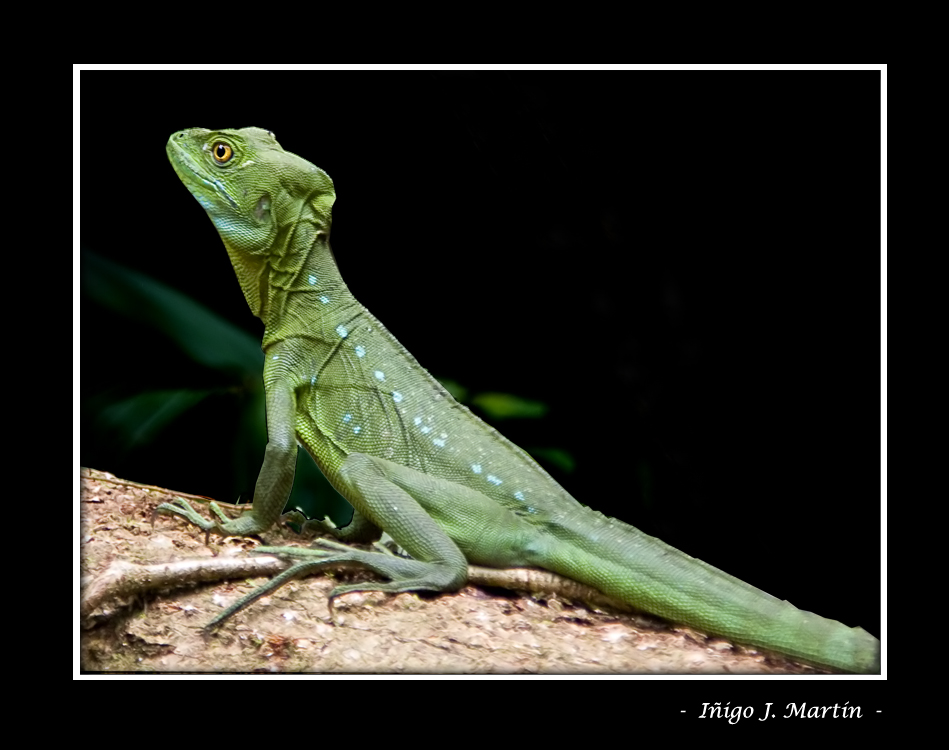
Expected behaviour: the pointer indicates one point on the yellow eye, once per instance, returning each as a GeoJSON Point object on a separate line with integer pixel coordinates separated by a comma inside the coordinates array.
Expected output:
{"type": "Point", "coordinates": [222, 152]}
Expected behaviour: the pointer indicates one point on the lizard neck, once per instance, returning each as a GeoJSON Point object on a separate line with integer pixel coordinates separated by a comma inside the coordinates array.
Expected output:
{"type": "Point", "coordinates": [304, 297]}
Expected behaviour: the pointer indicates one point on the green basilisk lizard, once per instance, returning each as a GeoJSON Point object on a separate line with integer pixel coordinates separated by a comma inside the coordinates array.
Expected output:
{"type": "Point", "coordinates": [412, 461]}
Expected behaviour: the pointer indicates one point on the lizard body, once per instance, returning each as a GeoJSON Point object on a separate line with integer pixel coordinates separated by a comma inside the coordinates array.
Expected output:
{"type": "Point", "coordinates": [412, 461]}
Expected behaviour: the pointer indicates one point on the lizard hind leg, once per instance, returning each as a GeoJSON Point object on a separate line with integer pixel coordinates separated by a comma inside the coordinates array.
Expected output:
{"type": "Point", "coordinates": [406, 575]}
{"type": "Point", "coordinates": [437, 565]}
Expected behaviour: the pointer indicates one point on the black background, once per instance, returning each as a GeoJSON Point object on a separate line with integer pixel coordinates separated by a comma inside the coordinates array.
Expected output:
{"type": "Point", "coordinates": [685, 266]}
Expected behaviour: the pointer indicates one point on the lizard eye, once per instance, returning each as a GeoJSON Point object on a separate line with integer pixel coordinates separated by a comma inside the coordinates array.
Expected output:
{"type": "Point", "coordinates": [222, 152]}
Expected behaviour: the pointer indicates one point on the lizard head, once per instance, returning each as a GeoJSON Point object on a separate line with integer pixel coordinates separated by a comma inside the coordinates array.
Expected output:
{"type": "Point", "coordinates": [257, 195]}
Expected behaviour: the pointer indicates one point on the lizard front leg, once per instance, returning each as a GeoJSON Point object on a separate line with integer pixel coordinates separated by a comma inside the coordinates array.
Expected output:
{"type": "Point", "coordinates": [273, 483]}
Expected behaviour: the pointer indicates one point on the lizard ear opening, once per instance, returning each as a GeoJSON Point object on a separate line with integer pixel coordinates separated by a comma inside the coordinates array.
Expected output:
{"type": "Point", "coordinates": [262, 209]}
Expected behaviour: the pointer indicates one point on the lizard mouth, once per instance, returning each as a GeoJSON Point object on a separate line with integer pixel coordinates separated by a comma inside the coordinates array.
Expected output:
{"type": "Point", "coordinates": [182, 162]}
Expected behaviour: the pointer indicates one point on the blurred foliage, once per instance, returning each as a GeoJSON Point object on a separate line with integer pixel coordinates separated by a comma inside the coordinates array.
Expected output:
{"type": "Point", "coordinates": [562, 459]}
{"type": "Point", "coordinates": [500, 406]}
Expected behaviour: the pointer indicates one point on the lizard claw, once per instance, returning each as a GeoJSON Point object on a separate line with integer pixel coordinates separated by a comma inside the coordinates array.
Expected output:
{"type": "Point", "coordinates": [181, 507]}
